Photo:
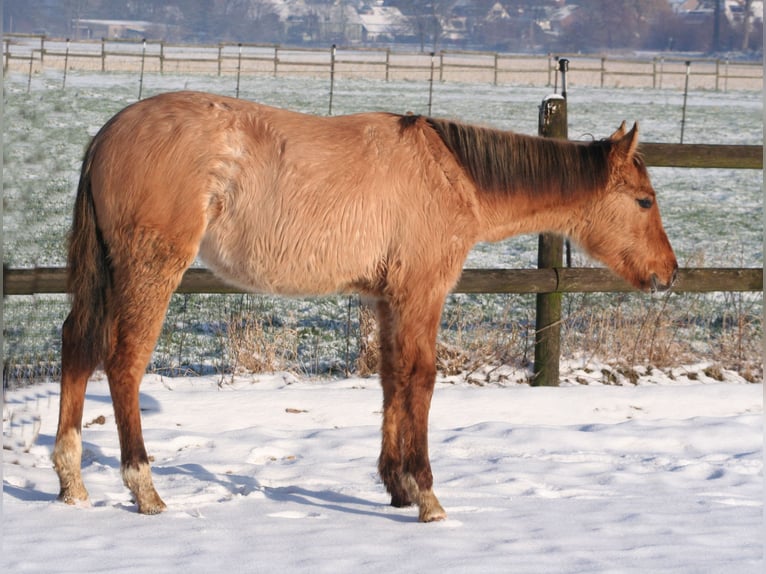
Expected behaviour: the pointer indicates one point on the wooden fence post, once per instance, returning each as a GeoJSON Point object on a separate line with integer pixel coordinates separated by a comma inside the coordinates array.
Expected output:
{"type": "Point", "coordinates": [441, 65]}
{"type": "Point", "coordinates": [603, 70]}
{"type": "Point", "coordinates": [552, 123]}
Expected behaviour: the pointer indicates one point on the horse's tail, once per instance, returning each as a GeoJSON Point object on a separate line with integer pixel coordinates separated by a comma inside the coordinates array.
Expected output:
{"type": "Point", "coordinates": [89, 275]}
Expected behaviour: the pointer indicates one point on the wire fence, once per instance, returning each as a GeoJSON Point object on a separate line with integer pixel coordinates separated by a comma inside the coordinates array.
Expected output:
{"type": "Point", "coordinates": [482, 335]}
{"type": "Point", "coordinates": [33, 54]}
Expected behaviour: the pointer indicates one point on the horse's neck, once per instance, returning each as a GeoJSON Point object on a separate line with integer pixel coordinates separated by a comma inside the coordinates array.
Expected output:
{"type": "Point", "coordinates": [553, 183]}
{"type": "Point", "coordinates": [507, 214]}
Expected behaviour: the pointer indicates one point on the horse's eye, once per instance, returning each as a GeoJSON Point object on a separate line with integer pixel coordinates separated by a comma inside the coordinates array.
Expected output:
{"type": "Point", "coordinates": [645, 203]}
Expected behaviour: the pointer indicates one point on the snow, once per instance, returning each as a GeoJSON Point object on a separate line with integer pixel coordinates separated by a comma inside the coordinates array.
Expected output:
{"type": "Point", "coordinates": [274, 473]}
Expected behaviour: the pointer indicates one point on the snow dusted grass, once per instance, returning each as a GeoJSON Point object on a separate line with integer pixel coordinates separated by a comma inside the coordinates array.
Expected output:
{"type": "Point", "coordinates": [647, 459]}
{"type": "Point", "coordinates": [277, 474]}
{"type": "Point", "coordinates": [713, 218]}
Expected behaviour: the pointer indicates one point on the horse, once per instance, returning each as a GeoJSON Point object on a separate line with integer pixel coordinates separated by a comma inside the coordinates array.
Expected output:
{"type": "Point", "coordinates": [275, 201]}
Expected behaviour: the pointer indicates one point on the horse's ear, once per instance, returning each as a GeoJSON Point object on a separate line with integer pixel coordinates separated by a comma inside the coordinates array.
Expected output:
{"type": "Point", "coordinates": [627, 144]}
{"type": "Point", "coordinates": [619, 133]}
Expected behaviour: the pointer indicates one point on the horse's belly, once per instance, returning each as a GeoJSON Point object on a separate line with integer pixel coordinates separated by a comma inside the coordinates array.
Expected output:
{"type": "Point", "coordinates": [284, 271]}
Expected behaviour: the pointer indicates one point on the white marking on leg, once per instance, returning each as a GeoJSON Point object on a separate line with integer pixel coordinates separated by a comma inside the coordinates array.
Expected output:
{"type": "Point", "coordinates": [67, 459]}
{"type": "Point", "coordinates": [139, 481]}
{"type": "Point", "coordinates": [430, 510]}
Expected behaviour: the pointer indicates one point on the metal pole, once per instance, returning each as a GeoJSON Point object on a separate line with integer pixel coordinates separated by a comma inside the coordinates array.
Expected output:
{"type": "Point", "coordinates": [66, 63]}
{"type": "Point", "coordinates": [332, 75]}
{"type": "Point", "coordinates": [239, 66]}
{"type": "Point", "coordinates": [141, 78]}
{"type": "Point", "coordinates": [431, 84]}
{"type": "Point", "coordinates": [29, 79]}
{"type": "Point", "coordinates": [564, 68]}
{"type": "Point", "coordinates": [686, 93]}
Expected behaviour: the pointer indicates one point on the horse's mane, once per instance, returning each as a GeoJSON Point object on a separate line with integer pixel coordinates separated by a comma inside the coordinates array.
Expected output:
{"type": "Point", "coordinates": [504, 161]}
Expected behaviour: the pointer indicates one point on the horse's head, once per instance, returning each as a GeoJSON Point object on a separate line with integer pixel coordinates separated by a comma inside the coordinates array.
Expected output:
{"type": "Point", "coordinates": [623, 227]}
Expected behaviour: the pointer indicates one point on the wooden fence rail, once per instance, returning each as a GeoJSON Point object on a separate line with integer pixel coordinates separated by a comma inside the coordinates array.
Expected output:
{"type": "Point", "coordinates": [564, 280]}
{"type": "Point", "coordinates": [51, 280]}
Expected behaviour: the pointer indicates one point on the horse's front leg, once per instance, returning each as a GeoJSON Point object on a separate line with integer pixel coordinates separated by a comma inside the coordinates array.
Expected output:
{"type": "Point", "coordinates": [417, 478]}
{"type": "Point", "coordinates": [390, 461]}
{"type": "Point", "coordinates": [408, 388]}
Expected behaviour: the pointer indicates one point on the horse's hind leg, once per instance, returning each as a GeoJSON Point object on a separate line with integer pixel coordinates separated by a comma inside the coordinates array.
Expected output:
{"type": "Point", "coordinates": [142, 291]}
{"type": "Point", "coordinates": [67, 454]}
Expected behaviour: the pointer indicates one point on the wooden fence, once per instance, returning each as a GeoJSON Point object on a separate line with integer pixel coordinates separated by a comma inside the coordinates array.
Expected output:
{"type": "Point", "coordinates": [36, 53]}
{"type": "Point", "coordinates": [563, 280]}
{"type": "Point", "coordinates": [52, 280]}
{"type": "Point", "coordinates": [546, 281]}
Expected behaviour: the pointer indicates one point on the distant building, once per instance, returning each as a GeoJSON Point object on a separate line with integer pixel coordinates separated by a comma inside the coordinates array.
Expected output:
{"type": "Point", "coordinates": [385, 24]}
{"type": "Point", "coordinates": [117, 29]}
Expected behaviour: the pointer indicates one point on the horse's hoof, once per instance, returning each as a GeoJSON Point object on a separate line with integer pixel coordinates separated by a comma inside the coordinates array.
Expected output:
{"type": "Point", "coordinates": [428, 514]}
{"type": "Point", "coordinates": [74, 496]}
{"type": "Point", "coordinates": [154, 506]}
{"type": "Point", "coordinates": [430, 509]}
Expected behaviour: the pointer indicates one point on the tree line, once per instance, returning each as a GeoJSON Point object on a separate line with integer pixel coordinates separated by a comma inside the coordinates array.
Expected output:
{"type": "Point", "coordinates": [503, 25]}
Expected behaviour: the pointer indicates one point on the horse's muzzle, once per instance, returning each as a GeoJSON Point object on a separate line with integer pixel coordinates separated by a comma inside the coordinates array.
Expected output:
{"type": "Point", "coordinates": [659, 286]}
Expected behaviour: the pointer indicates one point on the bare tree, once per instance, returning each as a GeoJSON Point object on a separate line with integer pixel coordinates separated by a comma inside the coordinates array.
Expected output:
{"type": "Point", "coordinates": [746, 26]}
{"type": "Point", "coordinates": [613, 24]}
{"type": "Point", "coordinates": [430, 18]}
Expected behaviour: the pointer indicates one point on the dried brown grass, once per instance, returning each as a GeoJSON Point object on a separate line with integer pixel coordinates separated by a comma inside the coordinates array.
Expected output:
{"type": "Point", "coordinates": [258, 346]}
{"type": "Point", "coordinates": [626, 332]}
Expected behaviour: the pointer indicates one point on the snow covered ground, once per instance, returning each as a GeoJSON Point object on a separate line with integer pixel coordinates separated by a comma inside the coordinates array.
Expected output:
{"type": "Point", "coordinates": [277, 474]}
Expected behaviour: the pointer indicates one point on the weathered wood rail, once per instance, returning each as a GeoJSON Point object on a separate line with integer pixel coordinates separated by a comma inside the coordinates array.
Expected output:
{"type": "Point", "coordinates": [543, 282]}
{"type": "Point", "coordinates": [564, 280]}
{"type": "Point", "coordinates": [703, 155]}
{"type": "Point", "coordinates": [51, 280]}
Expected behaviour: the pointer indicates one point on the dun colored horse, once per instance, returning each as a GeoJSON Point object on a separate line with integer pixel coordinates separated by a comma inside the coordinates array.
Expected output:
{"type": "Point", "coordinates": [281, 202]}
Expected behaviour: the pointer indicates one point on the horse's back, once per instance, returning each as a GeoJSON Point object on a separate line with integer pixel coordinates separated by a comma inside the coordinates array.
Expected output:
{"type": "Point", "coordinates": [275, 200]}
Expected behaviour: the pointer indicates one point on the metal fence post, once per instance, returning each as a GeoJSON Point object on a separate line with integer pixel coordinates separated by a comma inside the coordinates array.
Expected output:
{"type": "Point", "coordinates": [552, 123]}
{"type": "Point", "coordinates": [431, 85]}
{"type": "Point", "coordinates": [239, 66]}
{"type": "Point", "coordinates": [332, 76]}
{"type": "Point", "coordinates": [66, 64]}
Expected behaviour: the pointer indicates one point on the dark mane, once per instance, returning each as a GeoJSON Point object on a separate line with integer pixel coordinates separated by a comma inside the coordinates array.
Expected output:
{"type": "Point", "coordinates": [503, 161]}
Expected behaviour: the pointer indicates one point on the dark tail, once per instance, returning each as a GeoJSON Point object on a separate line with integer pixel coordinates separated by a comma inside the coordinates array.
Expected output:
{"type": "Point", "coordinates": [89, 276]}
